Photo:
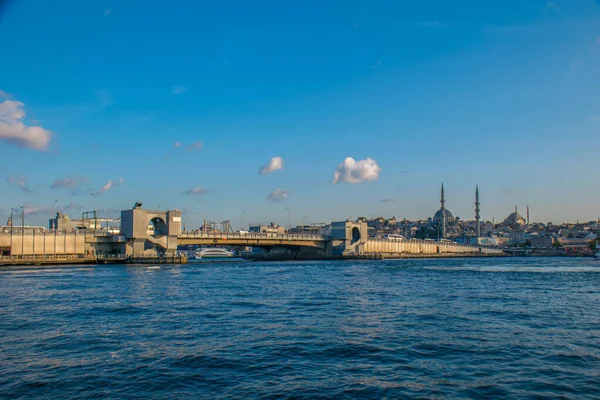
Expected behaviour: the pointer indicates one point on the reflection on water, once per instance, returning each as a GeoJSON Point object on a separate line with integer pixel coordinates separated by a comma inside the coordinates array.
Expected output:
{"type": "Point", "coordinates": [520, 327]}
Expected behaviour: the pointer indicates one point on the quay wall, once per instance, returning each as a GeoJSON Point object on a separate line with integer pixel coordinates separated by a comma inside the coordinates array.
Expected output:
{"type": "Point", "coordinates": [57, 243]}
{"type": "Point", "coordinates": [423, 247]}
{"type": "Point", "coordinates": [43, 244]}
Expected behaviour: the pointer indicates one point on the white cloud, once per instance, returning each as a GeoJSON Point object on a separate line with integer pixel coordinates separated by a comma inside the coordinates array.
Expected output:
{"type": "Point", "coordinates": [352, 171]}
{"type": "Point", "coordinates": [190, 147]}
{"type": "Point", "coordinates": [388, 200]}
{"type": "Point", "coordinates": [598, 39]}
{"type": "Point", "coordinates": [4, 95]}
{"type": "Point", "coordinates": [275, 164]}
{"type": "Point", "coordinates": [552, 5]}
{"type": "Point", "coordinates": [30, 209]}
{"type": "Point", "coordinates": [278, 195]}
{"type": "Point", "coordinates": [15, 132]}
{"type": "Point", "coordinates": [177, 89]}
{"type": "Point", "coordinates": [19, 181]}
{"type": "Point", "coordinates": [111, 184]}
{"type": "Point", "coordinates": [194, 146]}
{"type": "Point", "coordinates": [196, 191]}
{"type": "Point", "coordinates": [106, 12]}
{"type": "Point", "coordinates": [68, 183]}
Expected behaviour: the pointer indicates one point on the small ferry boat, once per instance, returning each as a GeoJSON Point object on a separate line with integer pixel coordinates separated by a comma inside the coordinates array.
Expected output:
{"type": "Point", "coordinates": [212, 253]}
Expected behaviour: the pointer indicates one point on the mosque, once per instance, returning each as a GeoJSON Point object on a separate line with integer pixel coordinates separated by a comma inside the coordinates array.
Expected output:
{"type": "Point", "coordinates": [443, 216]}
{"type": "Point", "coordinates": [443, 219]}
{"type": "Point", "coordinates": [516, 220]}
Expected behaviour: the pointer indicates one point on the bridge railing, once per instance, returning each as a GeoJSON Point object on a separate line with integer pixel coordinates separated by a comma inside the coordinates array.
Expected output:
{"type": "Point", "coordinates": [251, 235]}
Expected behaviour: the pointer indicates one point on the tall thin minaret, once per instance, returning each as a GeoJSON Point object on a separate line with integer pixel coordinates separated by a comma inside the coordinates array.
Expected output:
{"type": "Point", "coordinates": [477, 210]}
{"type": "Point", "coordinates": [443, 202]}
{"type": "Point", "coordinates": [527, 214]}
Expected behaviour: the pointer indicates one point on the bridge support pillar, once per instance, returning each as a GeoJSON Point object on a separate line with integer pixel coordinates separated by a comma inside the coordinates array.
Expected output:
{"type": "Point", "coordinates": [348, 237]}
{"type": "Point", "coordinates": [146, 229]}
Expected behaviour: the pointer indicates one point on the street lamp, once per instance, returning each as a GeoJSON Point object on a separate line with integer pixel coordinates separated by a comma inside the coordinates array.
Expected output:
{"type": "Point", "coordinates": [242, 221]}
{"type": "Point", "coordinates": [289, 218]}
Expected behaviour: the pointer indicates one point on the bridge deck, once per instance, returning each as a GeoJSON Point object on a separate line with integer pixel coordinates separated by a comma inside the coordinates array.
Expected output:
{"type": "Point", "coordinates": [252, 239]}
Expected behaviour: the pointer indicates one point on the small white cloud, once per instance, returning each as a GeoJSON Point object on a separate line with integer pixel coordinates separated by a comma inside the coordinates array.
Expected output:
{"type": "Point", "coordinates": [388, 200]}
{"type": "Point", "coordinates": [68, 183]}
{"type": "Point", "coordinates": [352, 171]}
{"type": "Point", "coordinates": [176, 145]}
{"type": "Point", "coordinates": [19, 181]}
{"type": "Point", "coordinates": [30, 209]}
{"type": "Point", "coordinates": [106, 12]}
{"type": "Point", "coordinates": [196, 191]}
{"type": "Point", "coordinates": [275, 164]}
{"type": "Point", "coordinates": [178, 90]}
{"type": "Point", "coordinates": [194, 146]}
{"type": "Point", "coordinates": [4, 95]}
{"type": "Point", "coordinates": [15, 132]}
{"type": "Point", "coordinates": [598, 39]}
{"type": "Point", "coordinates": [552, 5]}
{"type": "Point", "coordinates": [111, 184]}
{"type": "Point", "coordinates": [278, 195]}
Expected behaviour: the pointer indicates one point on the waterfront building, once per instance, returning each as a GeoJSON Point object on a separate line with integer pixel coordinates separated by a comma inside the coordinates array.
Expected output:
{"type": "Point", "coordinates": [271, 228]}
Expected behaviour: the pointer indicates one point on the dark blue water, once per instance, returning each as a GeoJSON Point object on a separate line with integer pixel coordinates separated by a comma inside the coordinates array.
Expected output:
{"type": "Point", "coordinates": [476, 328]}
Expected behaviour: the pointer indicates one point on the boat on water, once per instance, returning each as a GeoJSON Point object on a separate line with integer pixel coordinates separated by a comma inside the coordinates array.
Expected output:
{"type": "Point", "coordinates": [212, 253]}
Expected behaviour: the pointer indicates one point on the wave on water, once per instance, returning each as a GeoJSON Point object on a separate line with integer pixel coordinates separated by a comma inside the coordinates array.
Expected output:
{"type": "Point", "coordinates": [456, 328]}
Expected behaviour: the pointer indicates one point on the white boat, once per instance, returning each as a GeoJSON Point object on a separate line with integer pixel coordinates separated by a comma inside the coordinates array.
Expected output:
{"type": "Point", "coordinates": [212, 253]}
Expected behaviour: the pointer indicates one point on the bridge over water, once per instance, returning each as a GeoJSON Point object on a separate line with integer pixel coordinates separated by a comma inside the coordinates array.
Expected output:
{"type": "Point", "coordinates": [263, 240]}
{"type": "Point", "coordinates": [144, 232]}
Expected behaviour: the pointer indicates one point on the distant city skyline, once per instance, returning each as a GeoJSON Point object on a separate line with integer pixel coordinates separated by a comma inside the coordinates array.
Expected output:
{"type": "Point", "coordinates": [335, 111]}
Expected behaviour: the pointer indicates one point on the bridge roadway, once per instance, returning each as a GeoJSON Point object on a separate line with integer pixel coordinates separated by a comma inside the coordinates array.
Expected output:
{"type": "Point", "coordinates": [253, 239]}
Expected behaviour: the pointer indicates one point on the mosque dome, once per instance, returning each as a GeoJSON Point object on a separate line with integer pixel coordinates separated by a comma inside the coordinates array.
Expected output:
{"type": "Point", "coordinates": [515, 218]}
{"type": "Point", "coordinates": [438, 215]}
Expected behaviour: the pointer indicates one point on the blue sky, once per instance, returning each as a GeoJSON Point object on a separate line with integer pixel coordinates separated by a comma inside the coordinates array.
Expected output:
{"type": "Point", "coordinates": [166, 99]}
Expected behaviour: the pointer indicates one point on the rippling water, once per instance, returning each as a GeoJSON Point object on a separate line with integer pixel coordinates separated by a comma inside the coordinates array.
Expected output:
{"type": "Point", "coordinates": [476, 328]}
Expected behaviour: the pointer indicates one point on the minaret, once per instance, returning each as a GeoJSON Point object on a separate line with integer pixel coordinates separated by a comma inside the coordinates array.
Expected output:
{"type": "Point", "coordinates": [443, 202]}
{"type": "Point", "coordinates": [527, 214]}
{"type": "Point", "coordinates": [477, 210]}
